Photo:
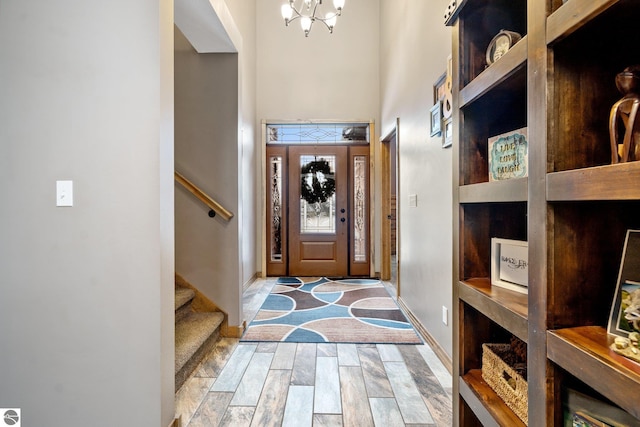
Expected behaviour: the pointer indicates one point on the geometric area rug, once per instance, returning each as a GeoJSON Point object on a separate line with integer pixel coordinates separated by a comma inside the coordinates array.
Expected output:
{"type": "Point", "coordinates": [321, 310]}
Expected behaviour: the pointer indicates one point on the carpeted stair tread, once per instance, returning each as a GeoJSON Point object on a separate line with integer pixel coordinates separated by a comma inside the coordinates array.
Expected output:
{"type": "Point", "coordinates": [192, 332]}
{"type": "Point", "coordinates": [183, 296]}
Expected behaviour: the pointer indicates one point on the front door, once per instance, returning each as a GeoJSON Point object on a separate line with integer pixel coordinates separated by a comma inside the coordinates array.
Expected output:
{"type": "Point", "coordinates": [318, 210]}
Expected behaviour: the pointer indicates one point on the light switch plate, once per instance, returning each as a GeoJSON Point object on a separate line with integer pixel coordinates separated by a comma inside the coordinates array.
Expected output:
{"type": "Point", "coordinates": [413, 200]}
{"type": "Point", "coordinates": [64, 193]}
{"type": "Point", "coordinates": [445, 315]}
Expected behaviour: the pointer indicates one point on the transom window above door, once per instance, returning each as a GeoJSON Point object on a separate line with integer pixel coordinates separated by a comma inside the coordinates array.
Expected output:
{"type": "Point", "coordinates": [317, 133]}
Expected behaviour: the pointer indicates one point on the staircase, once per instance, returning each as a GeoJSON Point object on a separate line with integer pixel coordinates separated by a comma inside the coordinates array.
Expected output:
{"type": "Point", "coordinates": [196, 332]}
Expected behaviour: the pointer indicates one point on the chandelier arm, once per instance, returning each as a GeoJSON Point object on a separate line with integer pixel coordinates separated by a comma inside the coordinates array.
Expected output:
{"type": "Point", "coordinates": [295, 10]}
{"type": "Point", "coordinates": [315, 7]}
{"type": "Point", "coordinates": [294, 18]}
{"type": "Point", "coordinates": [325, 24]}
{"type": "Point", "coordinates": [326, 18]}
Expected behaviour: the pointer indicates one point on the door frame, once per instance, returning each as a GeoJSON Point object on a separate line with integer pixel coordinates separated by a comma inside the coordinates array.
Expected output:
{"type": "Point", "coordinates": [385, 205]}
{"type": "Point", "coordinates": [265, 198]}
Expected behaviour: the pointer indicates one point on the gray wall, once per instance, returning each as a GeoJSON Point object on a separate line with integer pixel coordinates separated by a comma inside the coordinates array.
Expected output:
{"type": "Point", "coordinates": [243, 13]}
{"type": "Point", "coordinates": [414, 46]}
{"type": "Point", "coordinates": [86, 307]}
{"type": "Point", "coordinates": [207, 153]}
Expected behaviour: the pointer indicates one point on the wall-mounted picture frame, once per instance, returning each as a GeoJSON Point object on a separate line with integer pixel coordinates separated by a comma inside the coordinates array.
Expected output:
{"type": "Point", "coordinates": [436, 119]}
{"type": "Point", "coordinates": [510, 264]}
{"type": "Point", "coordinates": [439, 88]}
{"type": "Point", "coordinates": [624, 317]}
{"type": "Point", "coordinates": [447, 130]}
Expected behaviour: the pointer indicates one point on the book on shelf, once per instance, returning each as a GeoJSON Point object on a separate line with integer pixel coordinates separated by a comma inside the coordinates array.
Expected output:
{"type": "Point", "coordinates": [580, 419]}
{"type": "Point", "coordinates": [592, 412]}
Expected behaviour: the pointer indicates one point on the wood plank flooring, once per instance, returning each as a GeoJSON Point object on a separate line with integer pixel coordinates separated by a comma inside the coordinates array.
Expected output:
{"type": "Point", "coordinates": [288, 384]}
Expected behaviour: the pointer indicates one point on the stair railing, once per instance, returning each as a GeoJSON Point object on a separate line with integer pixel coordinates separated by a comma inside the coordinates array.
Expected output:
{"type": "Point", "coordinates": [215, 207]}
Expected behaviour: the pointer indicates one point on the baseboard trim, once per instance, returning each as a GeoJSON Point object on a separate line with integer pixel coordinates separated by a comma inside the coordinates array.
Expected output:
{"type": "Point", "coordinates": [233, 331]}
{"type": "Point", "coordinates": [251, 281]}
{"type": "Point", "coordinates": [426, 336]}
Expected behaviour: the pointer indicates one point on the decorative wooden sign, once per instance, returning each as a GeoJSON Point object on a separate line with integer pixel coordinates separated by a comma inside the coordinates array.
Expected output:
{"type": "Point", "coordinates": [508, 155]}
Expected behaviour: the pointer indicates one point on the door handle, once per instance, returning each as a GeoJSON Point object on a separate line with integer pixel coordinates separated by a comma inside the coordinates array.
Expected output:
{"type": "Point", "coordinates": [342, 220]}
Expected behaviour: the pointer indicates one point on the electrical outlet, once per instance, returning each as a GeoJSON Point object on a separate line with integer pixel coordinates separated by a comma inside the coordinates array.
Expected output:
{"type": "Point", "coordinates": [445, 315]}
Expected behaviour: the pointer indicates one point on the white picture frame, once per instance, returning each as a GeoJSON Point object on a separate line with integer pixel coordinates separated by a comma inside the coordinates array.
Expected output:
{"type": "Point", "coordinates": [510, 264]}
{"type": "Point", "coordinates": [436, 119]}
{"type": "Point", "coordinates": [447, 139]}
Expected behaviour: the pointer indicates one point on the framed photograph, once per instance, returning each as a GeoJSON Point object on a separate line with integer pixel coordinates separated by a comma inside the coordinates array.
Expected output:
{"type": "Point", "coordinates": [436, 119]}
{"type": "Point", "coordinates": [510, 264]}
{"type": "Point", "coordinates": [447, 140]}
{"type": "Point", "coordinates": [439, 88]}
{"type": "Point", "coordinates": [625, 310]}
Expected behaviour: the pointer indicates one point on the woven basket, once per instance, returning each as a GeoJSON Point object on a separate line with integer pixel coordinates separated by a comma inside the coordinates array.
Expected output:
{"type": "Point", "coordinates": [506, 377]}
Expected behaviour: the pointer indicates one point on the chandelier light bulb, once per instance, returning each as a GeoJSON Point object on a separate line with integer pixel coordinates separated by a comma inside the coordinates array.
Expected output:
{"type": "Point", "coordinates": [330, 20]}
{"type": "Point", "coordinates": [338, 4]}
{"type": "Point", "coordinates": [287, 12]}
{"type": "Point", "coordinates": [305, 23]}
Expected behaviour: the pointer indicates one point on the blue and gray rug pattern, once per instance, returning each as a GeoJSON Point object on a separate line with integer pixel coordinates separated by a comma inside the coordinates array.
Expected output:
{"type": "Point", "coordinates": [324, 310]}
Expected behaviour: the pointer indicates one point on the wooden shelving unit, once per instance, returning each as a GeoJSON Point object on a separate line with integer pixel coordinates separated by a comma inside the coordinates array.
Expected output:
{"type": "Point", "coordinates": [574, 208]}
{"type": "Point", "coordinates": [513, 190]}
{"type": "Point", "coordinates": [584, 352]}
{"type": "Point", "coordinates": [506, 308]}
{"type": "Point", "coordinates": [486, 405]}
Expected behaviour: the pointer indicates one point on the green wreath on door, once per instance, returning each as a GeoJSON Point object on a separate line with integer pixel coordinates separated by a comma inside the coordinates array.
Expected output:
{"type": "Point", "coordinates": [317, 184]}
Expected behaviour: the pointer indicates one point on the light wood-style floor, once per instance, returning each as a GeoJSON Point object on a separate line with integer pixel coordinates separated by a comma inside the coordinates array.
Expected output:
{"type": "Point", "coordinates": [289, 384]}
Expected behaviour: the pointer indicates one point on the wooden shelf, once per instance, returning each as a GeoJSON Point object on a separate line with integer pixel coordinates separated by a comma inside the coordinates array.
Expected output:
{"type": "Point", "coordinates": [496, 73]}
{"type": "Point", "coordinates": [488, 407]}
{"type": "Point", "coordinates": [584, 352]}
{"type": "Point", "coordinates": [507, 308]}
{"type": "Point", "coordinates": [572, 15]}
{"type": "Point", "coordinates": [511, 190]}
{"type": "Point", "coordinates": [610, 182]}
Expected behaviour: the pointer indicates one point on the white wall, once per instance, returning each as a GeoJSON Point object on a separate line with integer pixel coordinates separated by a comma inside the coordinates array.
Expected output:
{"type": "Point", "coordinates": [414, 47]}
{"type": "Point", "coordinates": [86, 309]}
{"type": "Point", "coordinates": [323, 76]}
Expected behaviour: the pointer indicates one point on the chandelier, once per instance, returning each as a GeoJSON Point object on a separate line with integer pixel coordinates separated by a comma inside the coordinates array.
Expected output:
{"type": "Point", "coordinates": [307, 11]}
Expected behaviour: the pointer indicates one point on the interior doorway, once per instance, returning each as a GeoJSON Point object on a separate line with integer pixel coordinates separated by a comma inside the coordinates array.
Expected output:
{"type": "Point", "coordinates": [390, 270]}
{"type": "Point", "coordinates": [318, 208]}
